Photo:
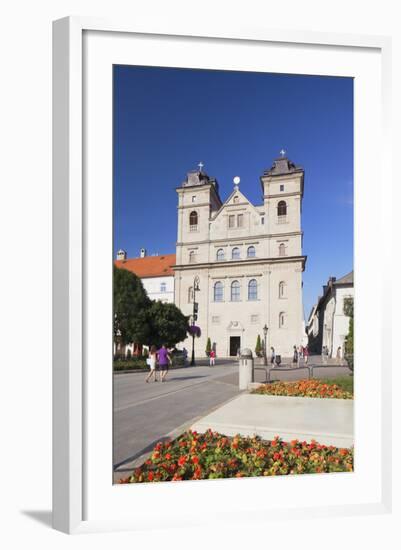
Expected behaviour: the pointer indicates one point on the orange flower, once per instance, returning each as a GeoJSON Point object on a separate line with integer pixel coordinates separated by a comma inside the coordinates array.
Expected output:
{"type": "Point", "coordinates": [182, 460]}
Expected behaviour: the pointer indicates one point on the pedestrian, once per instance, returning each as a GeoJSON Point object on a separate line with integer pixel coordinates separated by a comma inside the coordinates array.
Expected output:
{"type": "Point", "coordinates": [151, 361]}
{"type": "Point", "coordinates": [323, 354]}
{"type": "Point", "coordinates": [327, 353]}
{"type": "Point", "coordinates": [164, 360]}
{"type": "Point", "coordinates": [238, 353]}
{"type": "Point", "coordinates": [212, 358]}
{"type": "Point", "coordinates": [339, 354]}
{"type": "Point", "coordinates": [185, 354]}
{"type": "Point", "coordinates": [295, 356]}
{"type": "Point", "coordinates": [300, 352]}
{"type": "Point", "coordinates": [306, 354]}
{"type": "Point", "coordinates": [272, 356]}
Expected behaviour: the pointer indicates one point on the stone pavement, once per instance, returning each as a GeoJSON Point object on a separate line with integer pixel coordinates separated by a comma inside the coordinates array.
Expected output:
{"type": "Point", "coordinates": [328, 421]}
{"type": "Point", "coordinates": [147, 413]}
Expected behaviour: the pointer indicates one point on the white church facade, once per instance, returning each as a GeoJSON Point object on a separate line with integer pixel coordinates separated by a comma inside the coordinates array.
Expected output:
{"type": "Point", "coordinates": [248, 261]}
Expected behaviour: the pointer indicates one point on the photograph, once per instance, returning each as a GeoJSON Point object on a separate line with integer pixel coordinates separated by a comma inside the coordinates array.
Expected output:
{"type": "Point", "coordinates": [233, 274]}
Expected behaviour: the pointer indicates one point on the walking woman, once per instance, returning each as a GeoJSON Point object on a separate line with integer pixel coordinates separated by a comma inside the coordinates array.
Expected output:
{"type": "Point", "coordinates": [152, 364]}
{"type": "Point", "coordinates": [306, 354]}
{"type": "Point", "coordinates": [163, 357]}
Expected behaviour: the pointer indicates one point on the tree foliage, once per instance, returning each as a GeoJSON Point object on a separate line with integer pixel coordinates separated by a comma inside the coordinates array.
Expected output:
{"type": "Point", "coordinates": [208, 346]}
{"type": "Point", "coordinates": [349, 340]}
{"type": "Point", "coordinates": [258, 347]}
{"type": "Point", "coordinates": [168, 325]}
{"type": "Point", "coordinates": [131, 305]}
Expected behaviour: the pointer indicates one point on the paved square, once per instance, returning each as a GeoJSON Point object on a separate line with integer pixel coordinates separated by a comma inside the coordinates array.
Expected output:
{"type": "Point", "coordinates": [328, 421]}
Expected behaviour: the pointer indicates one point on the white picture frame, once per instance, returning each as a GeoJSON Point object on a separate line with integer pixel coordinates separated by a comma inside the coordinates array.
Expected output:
{"type": "Point", "coordinates": [71, 306]}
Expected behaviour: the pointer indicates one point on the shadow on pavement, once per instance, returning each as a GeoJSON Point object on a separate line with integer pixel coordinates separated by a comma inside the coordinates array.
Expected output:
{"type": "Point", "coordinates": [184, 377]}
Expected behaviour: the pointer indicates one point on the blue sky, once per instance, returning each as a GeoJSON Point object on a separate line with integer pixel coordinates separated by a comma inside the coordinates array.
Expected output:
{"type": "Point", "coordinates": [167, 120]}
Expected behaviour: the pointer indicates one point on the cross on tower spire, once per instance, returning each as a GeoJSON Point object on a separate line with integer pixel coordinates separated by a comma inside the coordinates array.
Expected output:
{"type": "Point", "coordinates": [201, 165]}
{"type": "Point", "coordinates": [283, 152]}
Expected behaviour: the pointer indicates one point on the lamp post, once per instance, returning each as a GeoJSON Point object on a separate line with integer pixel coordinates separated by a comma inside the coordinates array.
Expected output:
{"type": "Point", "coordinates": [194, 318]}
{"type": "Point", "coordinates": [265, 329]}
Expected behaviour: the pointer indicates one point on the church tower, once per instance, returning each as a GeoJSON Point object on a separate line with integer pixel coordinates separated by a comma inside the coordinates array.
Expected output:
{"type": "Point", "coordinates": [198, 199]}
{"type": "Point", "coordinates": [283, 187]}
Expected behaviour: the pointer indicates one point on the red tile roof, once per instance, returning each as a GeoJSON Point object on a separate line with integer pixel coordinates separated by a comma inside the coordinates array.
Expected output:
{"type": "Point", "coordinates": [149, 266]}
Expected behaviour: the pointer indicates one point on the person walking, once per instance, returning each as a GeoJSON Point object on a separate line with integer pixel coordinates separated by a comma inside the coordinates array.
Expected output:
{"type": "Point", "coordinates": [185, 354]}
{"type": "Point", "coordinates": [300, 352]}
{"type": "Point", "coordinates": [151, 360]}
{"type": "Point", "coordinates": [164, 360]}
{"type": "Point", "coordinates": [339, 354]}
{"type": "Point", "coordinates": [272, 356]}
{"type": "Point", "coordinates": [212, 357]}
{"type": "Point", "coordinates": [295, 356]}
{"type": "Point", "coordinates": [306, 354]}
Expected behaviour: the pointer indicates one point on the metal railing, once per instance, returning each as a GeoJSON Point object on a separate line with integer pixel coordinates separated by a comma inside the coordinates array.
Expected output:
{"type": "Point", "coordinates": [310, 368]}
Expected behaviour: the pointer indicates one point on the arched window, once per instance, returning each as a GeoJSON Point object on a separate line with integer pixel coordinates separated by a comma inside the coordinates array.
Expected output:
{"type": "Point", "coordinates": [281, 319]}
{"type": "Point", "coordinates": [218, 291]}
{"type": "Point", "coordinates": [220, 255]}
{"type": "Point", "coordinates": [193, 221]}
{"type": "Point", "coordinates": [190, 295]}
{"type": "Point", "coordinates": [251, 252]}
{"type": "Point", "coordinates": [235, 291]}
{"type": "Point", "coordinates": [282, 208]}
{"type": "Point", "coordinates": [281, 250]}
{"type": "Point", "coordinates": [252, 290]}
{"type": "Point", "coordinates": [235, 199]}
{"type": "Point", "coordinates": [281, 289]}
{"type": "Point", "coordinates": [163, 287]}
{"type": "Point", "coordinates": [235, 254]}
{"type": "Point", "coordinates": [192, 257]}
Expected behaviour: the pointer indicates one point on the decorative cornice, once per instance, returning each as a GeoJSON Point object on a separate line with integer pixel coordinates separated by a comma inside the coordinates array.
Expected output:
{"type": "Point", "coordinates": [239, 263]}
{"type": "Point", "coordinates": [245, 238]}
{"type": "Point", "coordinates": [280, 195]}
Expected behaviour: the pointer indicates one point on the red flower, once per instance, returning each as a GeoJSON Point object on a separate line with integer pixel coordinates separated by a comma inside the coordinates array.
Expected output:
{"type": "Point", "coordinates": [182, 460]}
{"type": "Point", "coordinates": [168, 456]}
{"type": "Point", "coordinates": [276, 456]}
{"type": "Point", "coordinates": [150, 476]}
{"type": "Point", "coordinates": [195, 460]}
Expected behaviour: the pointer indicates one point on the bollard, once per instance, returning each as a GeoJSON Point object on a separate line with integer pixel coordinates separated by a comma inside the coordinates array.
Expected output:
{"type": "Point", "coordinates": [246, 373]}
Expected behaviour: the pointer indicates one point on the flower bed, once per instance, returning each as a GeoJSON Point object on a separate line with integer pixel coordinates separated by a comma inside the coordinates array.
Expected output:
{"type": "Point", "coordinates": [212, 456]}
{"type": "Point", "coordinates": [304, 388]}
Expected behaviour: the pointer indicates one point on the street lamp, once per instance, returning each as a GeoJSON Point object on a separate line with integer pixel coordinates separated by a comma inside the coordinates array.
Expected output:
{"type": "Point", "coordinates": [194, 318]}
{"type": "Point", "coordinates": [265, 329]}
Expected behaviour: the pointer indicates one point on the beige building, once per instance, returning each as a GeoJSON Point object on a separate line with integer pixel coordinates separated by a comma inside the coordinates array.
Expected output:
{"type": "Point", "coordinates": [327, 324]}
{"type": "Point", "coordinates": [248, 259]}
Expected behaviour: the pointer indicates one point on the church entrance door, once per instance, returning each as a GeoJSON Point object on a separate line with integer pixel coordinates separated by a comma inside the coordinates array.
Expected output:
{"type": "Point", "coordinates": [235, 344]}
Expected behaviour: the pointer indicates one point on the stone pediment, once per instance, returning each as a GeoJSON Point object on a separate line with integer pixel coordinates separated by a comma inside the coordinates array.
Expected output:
{"type": "Point", "coordinates": [235, 326]}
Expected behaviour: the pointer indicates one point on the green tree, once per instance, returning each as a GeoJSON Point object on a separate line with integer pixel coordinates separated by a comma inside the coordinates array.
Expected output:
{"type": "Point", "coordinates": [349, 340]}
{"type": "Point", "coordinates": [131, 305]}
{"type": "Point", "coordinates": [168, 325]}
{"type": "Point", "coordinates": [208, 346]}
{"type": "Point", "coordinates": [258, 347]}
